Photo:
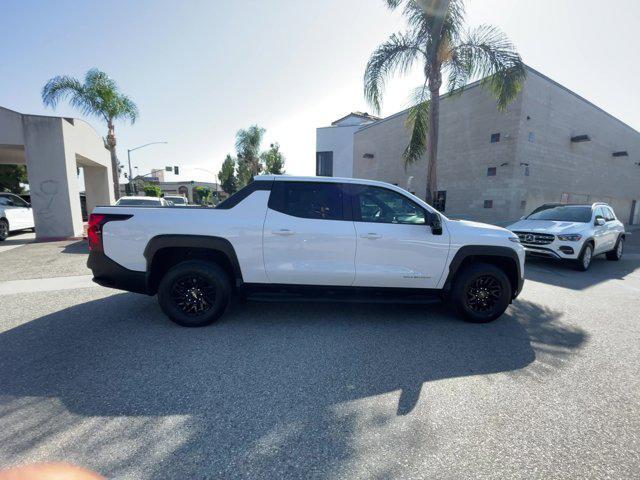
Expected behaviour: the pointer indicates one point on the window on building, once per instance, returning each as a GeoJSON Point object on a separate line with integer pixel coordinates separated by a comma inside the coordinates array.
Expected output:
{"type": "Point", "coordinates": [488, 204]}
{"type": "Point", "coordinates": [495, 137]}
{"type": "Point", "coordinates": [315, 200]}
{"type": "Point", "coordinates": [324, 164]}
{"type": "Point", "coordinates": [523, 204]}
{"type": "Point", "coordinates": [526, 171]}
{"type": "Point", "coordinates": [441, 201]}
{"type": "Point", "coordinates": [532, 137]}
{"type": "Point", "coordinates": [491, 171]}
{"type": "Point", "coordinates": [381, 205]}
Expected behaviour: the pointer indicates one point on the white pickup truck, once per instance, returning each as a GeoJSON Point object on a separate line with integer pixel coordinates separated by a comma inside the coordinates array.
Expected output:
{"type": "Point", "coordinates": [305, 238]}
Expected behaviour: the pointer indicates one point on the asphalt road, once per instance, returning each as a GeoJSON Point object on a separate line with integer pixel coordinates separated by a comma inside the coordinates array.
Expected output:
{"type": "Point", "coordinates": [102, 379]}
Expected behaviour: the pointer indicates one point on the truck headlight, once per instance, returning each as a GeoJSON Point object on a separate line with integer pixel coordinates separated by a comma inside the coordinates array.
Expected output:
{"type": "Point", "coordinates": [570, 237]}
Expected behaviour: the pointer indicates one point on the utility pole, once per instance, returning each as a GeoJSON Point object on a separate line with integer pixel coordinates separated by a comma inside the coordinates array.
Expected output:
{"type": "Point", "coordinates": [129, 150]}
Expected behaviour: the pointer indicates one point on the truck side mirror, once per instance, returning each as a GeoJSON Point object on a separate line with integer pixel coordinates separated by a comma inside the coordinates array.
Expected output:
{"type": "Point", "coordinates": [436, 223]}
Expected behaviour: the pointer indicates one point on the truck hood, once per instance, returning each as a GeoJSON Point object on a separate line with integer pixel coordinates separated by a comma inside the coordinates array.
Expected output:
{"type": "Point", "coordinates": [547, 226]}
{"type": "Point", "coordinates": [459, 226]}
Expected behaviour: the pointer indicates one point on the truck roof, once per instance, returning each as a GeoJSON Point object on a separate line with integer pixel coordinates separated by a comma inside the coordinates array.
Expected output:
{"type": "Point", "coordinates": [291, 178]}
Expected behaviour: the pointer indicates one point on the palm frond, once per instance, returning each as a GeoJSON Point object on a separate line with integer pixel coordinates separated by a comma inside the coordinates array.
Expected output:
{"type": "Point", "coordinates": [65, 87]}
{"type": "Point", "coordinates": [418, 122]}
{"type": "Point", "coordinates": [488, 54]}
{"type": "Point", "coordinates": [248, 142]}
{"type": "Point", "coordinates": [397, 54]}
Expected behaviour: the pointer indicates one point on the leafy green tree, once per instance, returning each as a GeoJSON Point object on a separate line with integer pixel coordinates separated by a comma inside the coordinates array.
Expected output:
{"type": "Point", "coordinates": [227, 175]}
{"type": "Point", "coordinates": [437, 41]}
{"type": "Point", "coordinates": [152, 190]}
{"type": "Point", "coordinates": [98, 96]}
{"type": "Point", "coordinates": [11, 176]}
{"type": "Point", "coordinates": [248, 147]}
{"type": "Point", "coordinates": [203, 195]}
{"type": "Point", "coordinates": [273, 160]}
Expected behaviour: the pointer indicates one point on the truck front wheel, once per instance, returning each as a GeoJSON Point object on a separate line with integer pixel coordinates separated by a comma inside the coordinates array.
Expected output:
{"type": "Point", "coordinates": [194, 293]}
{"type": "Point", "coordinates": [481, 292]}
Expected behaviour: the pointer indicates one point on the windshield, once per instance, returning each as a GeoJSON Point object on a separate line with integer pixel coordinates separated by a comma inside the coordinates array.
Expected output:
{"type": "Point", "coordinates": [176, 200]}
{"type": "Point", "coordinates": [563, 213]}
{"type": "Point", "coordinates": [137, 201]}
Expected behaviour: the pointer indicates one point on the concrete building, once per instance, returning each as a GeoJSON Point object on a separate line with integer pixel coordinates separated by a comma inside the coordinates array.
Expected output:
{"type": "Point", "coordinates": [550, 145]}
{"type": "Point", "coordinates": [334, 144]}
{"type": "Point", "coordinates": [53, 148]}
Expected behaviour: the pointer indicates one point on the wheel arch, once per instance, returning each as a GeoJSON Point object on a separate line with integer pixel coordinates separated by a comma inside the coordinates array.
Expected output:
{"type": "Point", "coordinates": [164, 251]}
{"type": "Point", "coordinates": [504, 258]}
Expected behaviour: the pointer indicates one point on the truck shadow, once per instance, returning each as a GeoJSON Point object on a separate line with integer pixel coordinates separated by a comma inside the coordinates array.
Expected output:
{"type": "Point", "coordinates": [263, 368]}
{"type": "Point", "coordinates": [565, 275]}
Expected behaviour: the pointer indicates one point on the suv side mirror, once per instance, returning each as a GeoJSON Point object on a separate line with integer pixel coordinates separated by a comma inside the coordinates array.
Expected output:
{"type": "Point", "coordinates": [600, 221]}
{"type": "Point", "coordinates": [435, 223]}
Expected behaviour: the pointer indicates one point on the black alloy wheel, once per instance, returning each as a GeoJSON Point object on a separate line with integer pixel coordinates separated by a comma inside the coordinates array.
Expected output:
{"type": "Point", "coordinates": [193, 294]}
{"type": "Point", "coordinates": [483, 294]}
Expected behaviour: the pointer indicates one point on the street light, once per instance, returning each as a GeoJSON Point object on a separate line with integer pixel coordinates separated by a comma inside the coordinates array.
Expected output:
{"type": "Point", "coordinates": [129, 150]}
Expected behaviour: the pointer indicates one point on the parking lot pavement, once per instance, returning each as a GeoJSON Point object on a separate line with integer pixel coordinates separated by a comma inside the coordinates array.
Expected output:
{"type": "Point", "coordinates": [550, 390]}
{"type": "Point", "coordinates": [17, 240]}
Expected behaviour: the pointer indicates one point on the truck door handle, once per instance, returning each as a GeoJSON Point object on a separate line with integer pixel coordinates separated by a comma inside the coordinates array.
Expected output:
{"type": "Point", "coordinates": [371, 236]}
{"type": "Point", "coordinates": [283, 232]}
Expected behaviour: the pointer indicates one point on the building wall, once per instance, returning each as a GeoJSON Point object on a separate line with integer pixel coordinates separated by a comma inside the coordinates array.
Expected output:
{"type": "Point", "coordinates": [530, 170]}
{"type": "Point", "coordinates": [339, 140]}
{"type": "Point", "coordinates": [464, 154]}
{"type": "Point", "coordinates": [586, 171]}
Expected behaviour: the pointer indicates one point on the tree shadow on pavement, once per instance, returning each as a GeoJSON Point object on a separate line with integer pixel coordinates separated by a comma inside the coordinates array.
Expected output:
{"type": "Point", "coordinates": [268, 389]}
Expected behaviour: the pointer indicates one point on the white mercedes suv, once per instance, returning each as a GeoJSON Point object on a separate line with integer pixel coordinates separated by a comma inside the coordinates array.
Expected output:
{"type": "Point", "coordinates": [571, 232]}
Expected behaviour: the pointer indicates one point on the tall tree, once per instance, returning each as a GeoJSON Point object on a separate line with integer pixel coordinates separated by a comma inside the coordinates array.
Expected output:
{"type": "Point", "coordinates": [227, 175]}
{"type": "Point", "coordinates": [11, 176]}
{"type": "Point", "coordinates": [436, 39]}
{"type": "Point", "coordinates": [98, 96]}
{"type": "Point", "coordinates": [273, 160]}
{"type": "Point", "coordinates": [248, 147]}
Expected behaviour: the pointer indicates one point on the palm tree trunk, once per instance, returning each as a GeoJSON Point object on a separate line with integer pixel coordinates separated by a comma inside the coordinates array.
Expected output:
{"type": "Point", "coordinates": [111, 143]}
{"type": "Point", "coordinates": [432, 141]}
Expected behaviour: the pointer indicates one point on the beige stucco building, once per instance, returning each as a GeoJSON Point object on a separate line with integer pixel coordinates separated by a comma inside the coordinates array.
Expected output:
{"type": "Point", "coordinates": [53, 148]}
{"type": "Point", "coordinates": [550, 145]}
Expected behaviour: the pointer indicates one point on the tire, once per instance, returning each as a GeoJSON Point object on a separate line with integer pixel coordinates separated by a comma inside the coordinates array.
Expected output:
{"type": "Point", "coordinates": [585, 258]}
{"type": "Point", "coordinates": [194, 293]}
{"type": "Point", "coordinates": [4, 229]}
{"type": "Point", "coordinates": [481, 293]}
{"type": "Point", "coordinates": [616, 253]}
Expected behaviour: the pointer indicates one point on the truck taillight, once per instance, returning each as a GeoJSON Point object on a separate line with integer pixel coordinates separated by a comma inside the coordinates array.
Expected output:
{"type": "Point", "coordinates": [97, 222]}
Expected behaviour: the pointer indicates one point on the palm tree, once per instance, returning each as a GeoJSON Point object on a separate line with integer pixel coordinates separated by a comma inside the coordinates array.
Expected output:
{"type": "Point", "coordinates": [98, 96]}
{"type": "Point", "coordinates": [248, 147]}
{"type": "Point", "coordinates": [436, 39]}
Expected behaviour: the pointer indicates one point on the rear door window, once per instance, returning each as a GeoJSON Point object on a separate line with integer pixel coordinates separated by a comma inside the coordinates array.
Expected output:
{"type": "Point", "coordinates": [316, 200]}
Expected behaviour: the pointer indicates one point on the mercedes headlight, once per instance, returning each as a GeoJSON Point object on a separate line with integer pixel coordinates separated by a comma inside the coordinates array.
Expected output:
{"type": "Point", "coordinates": [570, 237]}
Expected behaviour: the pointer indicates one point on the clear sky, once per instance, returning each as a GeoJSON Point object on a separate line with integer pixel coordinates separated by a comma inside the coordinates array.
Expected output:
{"type": "Point", "coordinates": [200, 70]}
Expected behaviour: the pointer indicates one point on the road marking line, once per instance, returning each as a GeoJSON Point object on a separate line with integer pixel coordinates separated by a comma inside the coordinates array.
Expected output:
{"type": "Point", "coordinates": [13, 287]}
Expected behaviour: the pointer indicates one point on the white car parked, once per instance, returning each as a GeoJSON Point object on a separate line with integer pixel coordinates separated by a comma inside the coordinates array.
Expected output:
{"type": "Point", "coordinates": [15, 214]}
{"type": "Point", "coordinates": [176, 200]}
{"type": "Point", "coordinates": [142, 201]}
{"type": "Point", "coordinates": [571, 232]}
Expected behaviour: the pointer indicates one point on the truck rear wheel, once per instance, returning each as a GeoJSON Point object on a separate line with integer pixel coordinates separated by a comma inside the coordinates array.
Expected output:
{"type": "Point", "coordinates": [194, 293]}
{"type": "Point", "coordinates": [481, 293]}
